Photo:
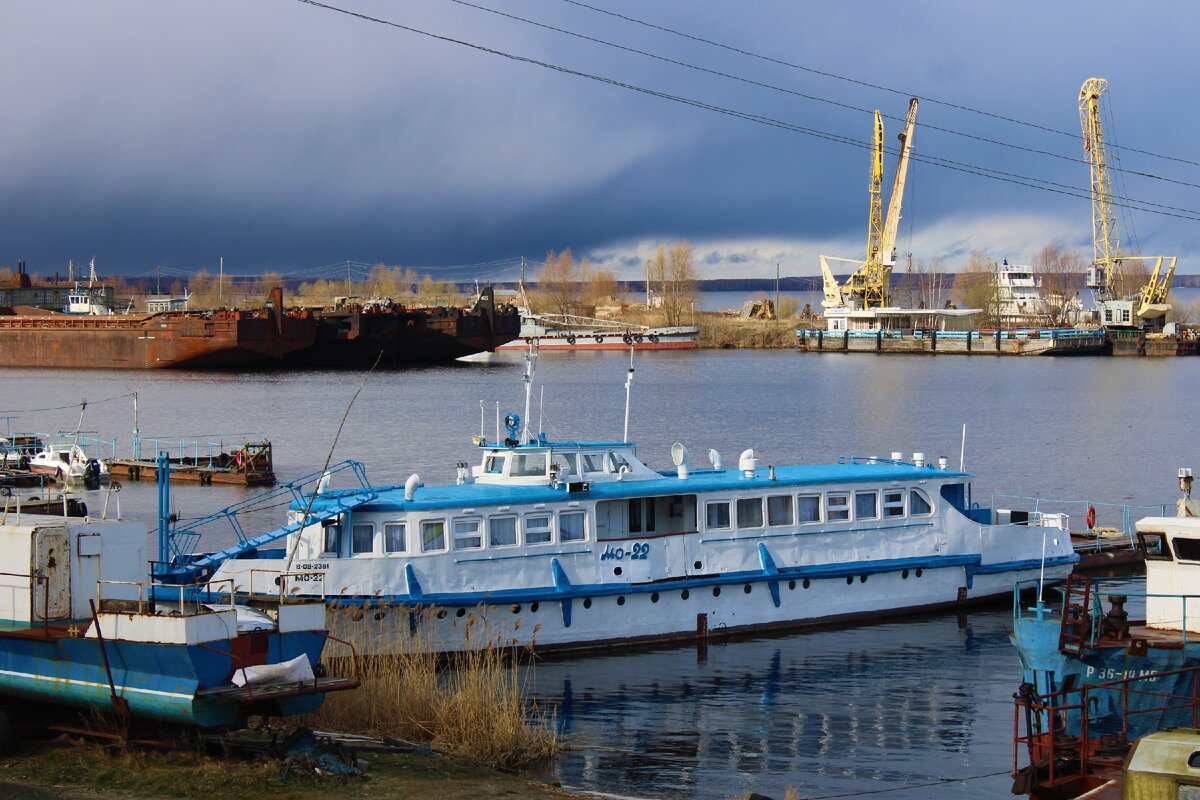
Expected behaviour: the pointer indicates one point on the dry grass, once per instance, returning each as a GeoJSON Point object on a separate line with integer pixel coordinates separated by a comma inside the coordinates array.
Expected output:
{"type": "Point", "coordinates": [472, 706]}
{"type": "Point", "coordinates": [720, 331]}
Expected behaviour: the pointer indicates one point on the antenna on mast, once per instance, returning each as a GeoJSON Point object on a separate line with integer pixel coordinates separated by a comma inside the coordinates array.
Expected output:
{"type": "Point", "coordinates": [628, 385]}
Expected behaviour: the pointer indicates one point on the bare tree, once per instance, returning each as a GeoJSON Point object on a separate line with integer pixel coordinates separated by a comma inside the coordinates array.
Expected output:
{"type": "Point", "coordinates": [975, 287]}
{"type": "Point", "coordinates": [1061, 271]}
{"type": "Point", "coordinates": [558, 282]}
{"type": "Point", "coordinates": [930, 283]}
{"type": "Point", "coordinates": [671, 272]}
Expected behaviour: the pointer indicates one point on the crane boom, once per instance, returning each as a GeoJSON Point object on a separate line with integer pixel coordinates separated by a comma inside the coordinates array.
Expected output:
{"type": "Point", "coordinates": [891, 227]}
{"type": "Point", "coordinates": [1104, 274]}
{"type": "Point", "coordinates": [870, 284]}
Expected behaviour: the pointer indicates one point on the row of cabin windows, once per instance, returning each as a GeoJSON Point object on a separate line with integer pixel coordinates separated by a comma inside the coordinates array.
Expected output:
{"type": "Point", "coordinates": [465, 533]}
{"type": "Point", "coordinates": [522, 465]}
{"type": "Point", "coordinates": [804, 509]}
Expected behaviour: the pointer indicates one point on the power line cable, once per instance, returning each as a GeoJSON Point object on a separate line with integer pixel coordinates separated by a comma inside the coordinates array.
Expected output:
{"type": "Point", "coordinates": [1019, 180]}
{"type": "Point", "coordinates": [803, 95]}
{"type": "Point", "coordinates": [857, 81]}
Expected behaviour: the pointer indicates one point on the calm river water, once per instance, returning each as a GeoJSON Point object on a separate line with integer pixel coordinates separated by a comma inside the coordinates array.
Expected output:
{"type": "Point", "coordinates": [832, 712]}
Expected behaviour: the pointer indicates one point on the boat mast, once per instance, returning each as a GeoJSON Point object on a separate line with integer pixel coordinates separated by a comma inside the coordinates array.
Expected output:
{"type": "Point", "coordinates": [530, 358]}
{"type": "Point", "coordinates": [628, 385]}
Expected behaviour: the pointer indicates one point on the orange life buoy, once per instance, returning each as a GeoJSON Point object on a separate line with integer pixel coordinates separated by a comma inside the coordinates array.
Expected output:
{"type": "Point", "coordinates": [240, 458]}
{"type": "Point", "coordinates": [1091, 517]}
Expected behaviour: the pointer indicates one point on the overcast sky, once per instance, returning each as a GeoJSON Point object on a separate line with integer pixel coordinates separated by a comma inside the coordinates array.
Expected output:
{"type": "Point", "coordinates": [285, 136]}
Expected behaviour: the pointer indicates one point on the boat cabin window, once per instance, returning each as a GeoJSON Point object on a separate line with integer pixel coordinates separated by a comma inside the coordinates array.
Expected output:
{"type": "Point", "coordinates": [502, 531]}
{"type": "Point", "coordinates": [837, 506]}
{"type": "Point", "coordinates": [918, 503]}
{"type": "Point", "coordinates": [620, 519]}
{"type": "Point", "coordinates": [593, 463]}
{"type": "Point", "coordinates": [716, 515]}
{"type": "Point", "coordinates": [468, 533]}
{"type": "Point", "coordinates": [527, 464]}
{"type": "Point", "coordinates": [866, 505]}
{"type": "Point", "coordinates": [571, 526]}
{"type": "Point", "coordinates": [537, 529]}
{"type": "Point", "coordinates": [362, 538]}
{"type": "Point", "coordinates": [956, 495]}
{"type": "Point", "coordinates": [749, 512]}
{"type": "Point", "coordinates": [1155, 546]}
{"type": "Point", "coordinates": [433, 535]}
{"type": "Point", "coordinates": [779, 509]}
{"type": "Point", "coordinates": [494, 464]}
{"type": "Point", "coordinates": [893, 503]}
{"type": "Point", "coordinates": [570, 460]}
{"type": "Point", "coordinates": [1186, 549]}
{"type": "Point", "coordinates": [333, 539]}
{"type": "Point", "coordinates": [808, 508]}
{"type": "Point", "coordinates": [395, 538]}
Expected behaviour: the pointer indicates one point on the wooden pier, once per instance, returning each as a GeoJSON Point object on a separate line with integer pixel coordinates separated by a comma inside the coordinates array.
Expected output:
{"type": "Point", "coordinates": [251, 465]}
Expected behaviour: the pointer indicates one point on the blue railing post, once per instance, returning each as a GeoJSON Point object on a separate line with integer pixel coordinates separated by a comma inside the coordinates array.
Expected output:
{"type": "Point", "coordinates": [164, 509]}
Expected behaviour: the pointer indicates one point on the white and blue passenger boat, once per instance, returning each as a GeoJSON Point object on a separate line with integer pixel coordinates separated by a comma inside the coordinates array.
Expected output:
{"type": "Point", "coordinates": [569, 544]}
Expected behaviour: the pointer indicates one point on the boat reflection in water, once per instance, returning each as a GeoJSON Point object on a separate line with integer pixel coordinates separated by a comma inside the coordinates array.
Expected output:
{"type": "Point", "coordinates": [896, 706]}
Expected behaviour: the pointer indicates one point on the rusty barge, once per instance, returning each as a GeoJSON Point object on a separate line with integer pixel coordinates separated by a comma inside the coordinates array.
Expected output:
{"type": "Point", "coordinates": [347, 336]}
{"type": "Point", "coordinates": [191, 340]}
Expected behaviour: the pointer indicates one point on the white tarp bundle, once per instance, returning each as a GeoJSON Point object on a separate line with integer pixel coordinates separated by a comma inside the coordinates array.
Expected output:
{"type": "Point", "coordinates": [298, 669]}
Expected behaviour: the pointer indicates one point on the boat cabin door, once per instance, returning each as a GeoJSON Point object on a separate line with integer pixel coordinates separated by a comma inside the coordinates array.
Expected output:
{"type": "Point", "coordinates": [50, 581]}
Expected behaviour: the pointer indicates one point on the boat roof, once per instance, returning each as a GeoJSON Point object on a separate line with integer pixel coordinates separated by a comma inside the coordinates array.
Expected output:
{"type": "Point", "coordinates": [699, 481]}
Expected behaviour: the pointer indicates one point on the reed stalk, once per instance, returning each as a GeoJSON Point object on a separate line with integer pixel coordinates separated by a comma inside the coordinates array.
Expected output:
{"type": "Point", "coordinates": [473, 706]}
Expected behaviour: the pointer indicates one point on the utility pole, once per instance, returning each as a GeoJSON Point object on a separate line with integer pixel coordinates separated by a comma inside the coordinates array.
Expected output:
{"type": "Point", "coordinates": [776, 288]}
{"type": "Point", "coordinates": [221, 284]}
{"type": "Point", "coordinates": [158, 280]}
{"type": "Point", "coordinates": [347, 280]}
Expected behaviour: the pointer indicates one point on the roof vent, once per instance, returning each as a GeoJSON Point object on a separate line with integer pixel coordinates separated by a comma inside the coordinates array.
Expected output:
{"type": "Point", "coordinates": [897, 455]}
{"type": "Point", "coordinates": [679, 455]}
{"type": "Point", "coordinates": [747, 463]}
{"type": "Point", "coordinates": [918, 459]}
{"type": "Point", "coordinates": [943, 462]}
{"type": "Point", "coordinates": [714, 458]}
{"type": "Point", "coordinates": [410, 486]}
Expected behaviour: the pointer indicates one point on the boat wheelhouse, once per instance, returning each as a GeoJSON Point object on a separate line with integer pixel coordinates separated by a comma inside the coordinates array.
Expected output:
{"type": "Point", "coordinates": [576, 544]}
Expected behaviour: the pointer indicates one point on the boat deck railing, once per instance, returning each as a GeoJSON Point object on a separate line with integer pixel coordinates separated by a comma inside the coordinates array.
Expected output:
{"type": "Point", "coordinates": [183, 539]}
{"type": "Point", "coordinates": [1099, 588]}
{"type": "Point", "coordinates": [1070, 735]}
{"type": "Point", "coordinates": [1120, 516]}
{"type": "Point", "coordinates": [584, 323]}
{"type": "Point", "coordinates": [141, 597]}
{"type": "Point", "coordinates": [1002, 334]}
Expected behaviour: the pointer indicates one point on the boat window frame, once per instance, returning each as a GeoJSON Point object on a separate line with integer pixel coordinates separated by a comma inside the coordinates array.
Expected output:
{"type": "Point", "coordinates": [478, 534]}
{"type": "Point", "coordinates": [354, 529]}
{"type": "Point", "coordinates": [840, 512]}
{"type": "Point", "coordinates": [571, 459]}
{"type": "Point", "coordinates": [516, 539]}
{"type": "Point", "coordinates": [588, 459]}
{"type": "Point", "coordinates": [387, 538]}
{"type": "Point", "coordinates": [921, 495]}
{"type": "Point", "coordinates": [1163, 552]}
{"type": "Point", "coordinates": [791, 510]}
{"type": "Point", "coordinates": [873, 495]}
{"type": "Point", "coordinates": [425, 548]}
{"type": "Point", "coordinates": [762, 516]}
{"type": "Point", "coordinates": [549, 530]}
{"type": "Point", "coordinates": [583, 530]}
{"type": "Point", "coordinates": [495, 457]}
{"type": "Point", "coordinates": [819, 505]}
{"type": "Point", "coordinates": [531, 463]}
{"type": "Point", "coordinates": [728, 526]}
{"type": "Point", "coordinates": [886, 507]}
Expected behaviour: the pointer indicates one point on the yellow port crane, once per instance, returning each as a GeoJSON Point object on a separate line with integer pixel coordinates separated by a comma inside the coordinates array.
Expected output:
{"type": "Point", "coordinates": [1146, 306]}
{"type": "Point", "coordinates": [869, 285]}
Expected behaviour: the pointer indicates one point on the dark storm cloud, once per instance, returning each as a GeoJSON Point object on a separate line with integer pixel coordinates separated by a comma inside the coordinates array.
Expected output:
{"type": "Point", "coordinates": [281, 135]}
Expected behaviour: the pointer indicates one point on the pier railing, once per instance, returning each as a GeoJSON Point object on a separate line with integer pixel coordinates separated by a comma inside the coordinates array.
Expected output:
{"type": "Point", "coordinates": [203, 449]}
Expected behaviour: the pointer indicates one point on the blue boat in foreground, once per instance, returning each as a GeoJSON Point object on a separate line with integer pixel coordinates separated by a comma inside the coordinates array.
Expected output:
{"type": "Point", "coordinates": [1095, 681]}
{"type": "Point", "coordinates": [82, 625]}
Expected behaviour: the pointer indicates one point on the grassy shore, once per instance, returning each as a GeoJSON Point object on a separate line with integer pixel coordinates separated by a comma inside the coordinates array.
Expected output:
{"type": "Point", "coordinates": [71, 768]}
